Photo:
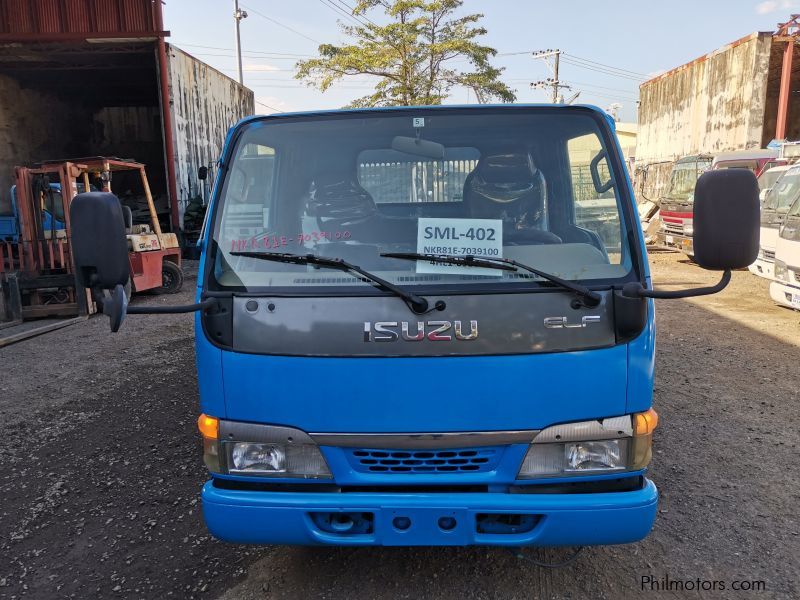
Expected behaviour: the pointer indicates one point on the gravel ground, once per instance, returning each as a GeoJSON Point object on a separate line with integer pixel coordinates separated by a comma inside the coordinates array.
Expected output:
{"type": "Point", "coordinates": [102, 471]}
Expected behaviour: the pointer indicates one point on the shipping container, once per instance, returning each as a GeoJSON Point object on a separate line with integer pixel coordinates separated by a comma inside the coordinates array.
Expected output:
{"type": "Point", "coordinates": [95, 77]}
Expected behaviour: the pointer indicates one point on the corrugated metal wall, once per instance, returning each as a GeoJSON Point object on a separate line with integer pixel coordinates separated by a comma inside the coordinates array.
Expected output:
{"type": "Point", "coordinates": [205, 104]}
{"type": "Point", "coordinates": [54, 18]}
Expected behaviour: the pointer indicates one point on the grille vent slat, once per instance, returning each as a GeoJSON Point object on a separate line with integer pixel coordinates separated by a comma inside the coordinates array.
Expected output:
{"type": "Point", "coordinates": [456, 460]}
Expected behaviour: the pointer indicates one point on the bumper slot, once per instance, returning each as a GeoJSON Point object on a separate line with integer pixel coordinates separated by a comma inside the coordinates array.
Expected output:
{"type": "Point", "coordinates": [344, 523]}
{"type": "Point", "coordinates": [602, 486]}
{"type": "Point", "coordinates": [505, 523]}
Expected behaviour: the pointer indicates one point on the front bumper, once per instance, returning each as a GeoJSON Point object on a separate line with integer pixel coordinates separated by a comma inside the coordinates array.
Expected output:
{"type": "Point", "coordinates": [785, 294]}
{"type": "Point", "coordinates": [269, 517]}
{"type": "Point", "coordinates": [674, 241]}
{"type": "Point", "coordinates": [763, 268]}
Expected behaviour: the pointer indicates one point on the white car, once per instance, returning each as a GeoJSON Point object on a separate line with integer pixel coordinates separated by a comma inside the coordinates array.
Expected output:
{"type": "Point", "coordinates": [785, 287]}
{"type": "Point", "coordinates": [773, 210]}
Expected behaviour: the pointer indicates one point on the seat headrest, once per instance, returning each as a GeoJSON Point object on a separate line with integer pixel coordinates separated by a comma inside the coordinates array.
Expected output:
{"type": "Point", "coordinates": [506, 168]}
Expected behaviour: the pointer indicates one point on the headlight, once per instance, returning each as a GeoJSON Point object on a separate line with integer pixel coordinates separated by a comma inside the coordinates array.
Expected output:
{"type": "Point", "coordinates": [590, 447]}
{"type": "Point", "coordinates": [257, 457]}
{"type": "Point", "coordinates": [236, 448]}
{"type": "Point", "coordinates": [781, 272]}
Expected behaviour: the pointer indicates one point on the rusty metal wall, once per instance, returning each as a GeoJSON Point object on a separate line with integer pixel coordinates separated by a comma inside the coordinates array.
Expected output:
{"type": "Point", "coordinates": [53, 19]}
{"type": "Point", "coordinates": [713, 104]}
{"type": "Point", "coordinates": [205, 103]}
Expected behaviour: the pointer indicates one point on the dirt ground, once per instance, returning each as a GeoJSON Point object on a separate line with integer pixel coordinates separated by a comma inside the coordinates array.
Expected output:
{"type": "Point", "coordinates": [101, 473]}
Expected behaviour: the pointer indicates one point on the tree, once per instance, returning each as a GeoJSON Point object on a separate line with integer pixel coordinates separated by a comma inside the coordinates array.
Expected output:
{"type": "Point", "coordinates": [415, 56]}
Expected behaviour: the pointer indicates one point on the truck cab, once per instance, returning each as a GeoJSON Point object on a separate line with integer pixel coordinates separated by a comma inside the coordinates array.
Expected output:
{"type": "Point", "coordinates": [785, 287]}
{"type": "Point", "coordinates": [678, 203]}
{"type": "Point", "coordinates": [425, 326]}
{"type": "Point", "coordinates": [677, 228]}
{"type": "Point", "coordinates": [776, 204]}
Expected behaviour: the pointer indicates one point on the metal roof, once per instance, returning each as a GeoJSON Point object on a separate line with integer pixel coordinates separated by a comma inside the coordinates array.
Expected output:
{"type": "Point", "coordinates": [62, 20]}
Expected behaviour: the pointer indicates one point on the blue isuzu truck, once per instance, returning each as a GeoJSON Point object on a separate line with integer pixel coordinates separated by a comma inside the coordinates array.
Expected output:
{"type": "Point", "coordinates": [426, 325]}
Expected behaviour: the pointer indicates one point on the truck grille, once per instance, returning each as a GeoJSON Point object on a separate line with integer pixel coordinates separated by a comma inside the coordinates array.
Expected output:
{"type": "Point", "coordinates": [455, 460]}
{"type": "Point", "coordinates": [673, 227]}
{"type": "Point", "coordinates": [769, 254]}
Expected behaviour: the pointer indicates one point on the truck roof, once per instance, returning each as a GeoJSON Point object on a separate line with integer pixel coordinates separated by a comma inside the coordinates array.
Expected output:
{"type": "Point", "coordinates": [746, 155]}
{"type": "Point", "coordinates": [379, 109]}
{"type": "Point", "coordinates": [693, 158]}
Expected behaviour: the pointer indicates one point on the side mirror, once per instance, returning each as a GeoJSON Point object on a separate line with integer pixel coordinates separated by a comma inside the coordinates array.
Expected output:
{"type": "Point", "coordinates": [726, 219]}
{"type": "Point", "coordinates": [726, 230]}
{"type": "Point", "coordinates": [100, 253]}
{"type": "Point", "coordinates": [99, 245]}
{"type": "Point", "coordinates": [202, 173]}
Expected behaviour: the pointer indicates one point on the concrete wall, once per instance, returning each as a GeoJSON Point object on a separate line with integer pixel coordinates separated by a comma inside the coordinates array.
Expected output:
{"type": "Point", "coordinates": [713, 104]}
{"type": "Point", "coordinates": [35, 126]}
{"type": "Point", "coordinates": [205, 103]}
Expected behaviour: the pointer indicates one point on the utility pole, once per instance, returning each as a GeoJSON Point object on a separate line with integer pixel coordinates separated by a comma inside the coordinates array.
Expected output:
{"type": "Point", "coordinates": [552, 82]}
{"type": "Point", "coordinates": [238, 15]}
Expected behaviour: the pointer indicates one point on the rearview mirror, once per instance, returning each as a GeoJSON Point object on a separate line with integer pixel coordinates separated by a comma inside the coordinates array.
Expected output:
{"type": "Point", "coordinates": [418, 147]}
{"type": "Point", "coordinates": [99, 245]}
{"type": "Point", "coordinates": [726, 219]}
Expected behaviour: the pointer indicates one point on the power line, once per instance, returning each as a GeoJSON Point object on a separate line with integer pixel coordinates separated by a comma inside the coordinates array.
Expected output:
{"type": "Point", "coordinates": [267, 106]}
{"type": "Point", "coordinates": [291, 54]}
{"type": "Point", "coordinates": [642, 75]}
{"type": "Point", "coordinates": [353, 12]}
{"type": "Point", "coordinates": [248, 55]}
{"type": "Point", "coordinates": [271, 20]}
{"type": "Point", "coordinates": [584, 84]}
{"type": "Point", "coordinates": [343, 13]}
{"type": "Point", "coordinates": [603, 70]}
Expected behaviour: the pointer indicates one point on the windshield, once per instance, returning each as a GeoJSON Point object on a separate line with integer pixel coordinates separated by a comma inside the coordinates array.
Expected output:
{"type": "Point", "coordinates": [784, 191]}
{"type": "Point", "coordinates": [768, 178]}
{"type": "Point", "coordinates": [794, 209]}
{"type": "Point", "coordinates": [531, 185]}
{"type": "Point", "coordinates": [684, 177]}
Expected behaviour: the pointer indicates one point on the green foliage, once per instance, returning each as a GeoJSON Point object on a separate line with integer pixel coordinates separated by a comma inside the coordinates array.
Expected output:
{"type": "Point", "coordinates": [415, 55]}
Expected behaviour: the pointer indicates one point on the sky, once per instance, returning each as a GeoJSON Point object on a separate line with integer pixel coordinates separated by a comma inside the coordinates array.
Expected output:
{"type": "Point", "coordinates": [609, 47]}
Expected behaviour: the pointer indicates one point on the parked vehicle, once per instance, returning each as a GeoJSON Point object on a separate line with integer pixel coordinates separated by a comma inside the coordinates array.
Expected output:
{"type": "Point", "coordinates": [785, 286]}
{"type": "Point", "coordinates": [677, 207]}
{"type": "Point", "coordinates": [773, 211]}
{"type": "Point", "coordinates": [768, 178]}
{"type": "Point", "coordinates": [676, 215]}
{"type": "Point", "coordinates": [406, 335]}
{"type": "Point", "coordinates": [757, 160]}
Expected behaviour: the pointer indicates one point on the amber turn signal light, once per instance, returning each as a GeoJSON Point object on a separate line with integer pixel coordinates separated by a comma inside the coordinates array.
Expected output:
{"type": "Point", "coordinates": [645, 422]}
{"type": "Point", "coordinates": [208, 426]}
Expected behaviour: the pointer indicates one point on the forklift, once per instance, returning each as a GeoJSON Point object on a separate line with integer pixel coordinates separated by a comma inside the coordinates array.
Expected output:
{"type": "Point", "coordinates": [36, 270]}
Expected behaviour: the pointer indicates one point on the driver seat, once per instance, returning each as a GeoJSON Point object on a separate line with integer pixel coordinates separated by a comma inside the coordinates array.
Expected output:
{"type": "Point", "coordinates": [509, 186]}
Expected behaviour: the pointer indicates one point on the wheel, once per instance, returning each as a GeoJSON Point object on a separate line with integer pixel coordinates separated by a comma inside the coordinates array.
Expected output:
{"type": "Point", "coordinates": [171, 279]}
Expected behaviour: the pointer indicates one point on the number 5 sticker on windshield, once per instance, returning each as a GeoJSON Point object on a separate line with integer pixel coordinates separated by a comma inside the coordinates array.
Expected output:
{"type": "Point", "coordinates": [481, 238]}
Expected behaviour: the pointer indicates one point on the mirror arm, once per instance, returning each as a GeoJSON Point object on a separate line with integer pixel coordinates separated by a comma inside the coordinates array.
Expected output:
{"type": "Point", "coordinates": [636, 290]}
{"type": "Point", "coordinates": [171, 310]}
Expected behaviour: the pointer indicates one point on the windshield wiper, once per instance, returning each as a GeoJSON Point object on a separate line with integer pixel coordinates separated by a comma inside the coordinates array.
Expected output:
{"type": "Point", "coordinates": [418, 304]}
{"type": "Point", "coordinates": [589, 297]}
{"type": "Point", "coordinates": [448, 259]}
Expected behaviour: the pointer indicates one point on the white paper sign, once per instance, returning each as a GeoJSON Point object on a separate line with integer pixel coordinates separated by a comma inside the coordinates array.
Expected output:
{"type": "Point", "coordinates": [481, 238]}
